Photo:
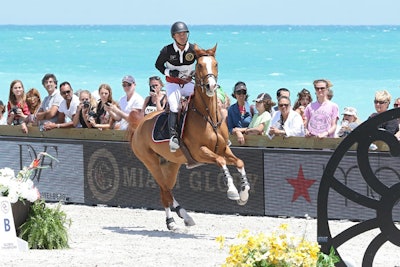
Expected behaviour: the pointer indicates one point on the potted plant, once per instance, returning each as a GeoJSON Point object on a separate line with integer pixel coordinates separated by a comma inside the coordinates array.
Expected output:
{"type": "Point", "coordinates": [42, 227]}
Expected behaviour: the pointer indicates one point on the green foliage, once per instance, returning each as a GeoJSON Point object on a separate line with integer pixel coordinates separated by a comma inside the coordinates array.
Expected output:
{"type": "Point", "coordinates": [46, 228]}
{"type": "Point", "coordinates": [327, 260]}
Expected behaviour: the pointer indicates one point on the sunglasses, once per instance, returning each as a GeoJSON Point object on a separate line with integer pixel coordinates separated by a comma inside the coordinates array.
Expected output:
{"type": "Point", "coordinates": [379, 102]}
{"type": "Point", "coordinates": [65, 92]}
{"type": "Point", "coordinates": [396, 105]}
{"type": "Point", "coordinates": [126, 84]}
{"type": "Point", "coordinates": [155, 78]}
{"type": "Point", "coordinates": [241, 92]}
{"type": "Point", "coordinates": [319, 88]}
{"type": "Point", "coordinates": [283, 105]}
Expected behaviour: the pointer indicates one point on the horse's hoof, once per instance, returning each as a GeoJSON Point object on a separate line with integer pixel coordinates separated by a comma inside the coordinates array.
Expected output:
{"type": "Point", "coordinates": [241, 202]}
{"type": "Point", "coordinates": [233, 194]}
{"type": "Point", "coordinates": [189, 221]}
{"type": "Point", "coordinates": [171, 224]}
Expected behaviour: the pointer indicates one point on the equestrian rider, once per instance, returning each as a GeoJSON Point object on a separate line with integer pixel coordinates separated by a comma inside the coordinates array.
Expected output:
{"type": "Point", "coordinates": [177, 62]}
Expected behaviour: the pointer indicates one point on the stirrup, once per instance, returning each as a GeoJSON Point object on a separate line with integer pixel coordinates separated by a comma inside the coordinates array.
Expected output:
{"type": "Point", "coordinates": [173, 144]}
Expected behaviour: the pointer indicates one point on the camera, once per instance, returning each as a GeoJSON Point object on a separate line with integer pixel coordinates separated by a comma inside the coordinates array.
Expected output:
{"type": "Point", "coordinates": [108, 103]}
{"type": "Point", "coordinates": [14, 110]}
{"type": "Point", "coordinates": [86, 104]}
{"type": "Point", "coordinates": [92, 114]}
{"type": "Point", "coordinates": [152, 87]}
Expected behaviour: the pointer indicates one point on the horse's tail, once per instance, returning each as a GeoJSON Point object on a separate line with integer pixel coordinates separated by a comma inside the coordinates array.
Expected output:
{"type": "Point", "coordinates": [135, 116]}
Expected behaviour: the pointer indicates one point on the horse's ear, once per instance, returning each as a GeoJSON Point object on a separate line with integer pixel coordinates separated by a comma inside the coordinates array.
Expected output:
{"type": "Point", "coordinates": [214, 48]}
{"type": "Point", "coordinates": [196, 48]}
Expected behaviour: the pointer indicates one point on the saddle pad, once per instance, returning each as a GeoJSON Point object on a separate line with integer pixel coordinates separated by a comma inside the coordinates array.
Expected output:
{"type": "Point", "coordinates": [160, 131]}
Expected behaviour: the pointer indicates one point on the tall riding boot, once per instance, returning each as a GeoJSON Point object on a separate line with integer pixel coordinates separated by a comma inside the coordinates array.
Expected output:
{"type": "Point", "coordinates": [174, 141]}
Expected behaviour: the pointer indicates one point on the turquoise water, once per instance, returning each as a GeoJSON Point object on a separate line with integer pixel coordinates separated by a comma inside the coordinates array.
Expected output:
{"type": "Point", "coordinates": [359, 60]}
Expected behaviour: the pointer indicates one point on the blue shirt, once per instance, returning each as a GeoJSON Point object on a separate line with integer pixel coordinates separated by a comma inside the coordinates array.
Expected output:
{"type": "Point", "coordinates": [235, 119]}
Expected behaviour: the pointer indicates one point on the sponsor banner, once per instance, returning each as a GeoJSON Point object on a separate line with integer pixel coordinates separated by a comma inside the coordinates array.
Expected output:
{"type": "Point", "coordinates": [60, 180]}
{"type": "Point", "coordinates": [292, 179]}
{"type": "Point", "coordinates": [114, 176]}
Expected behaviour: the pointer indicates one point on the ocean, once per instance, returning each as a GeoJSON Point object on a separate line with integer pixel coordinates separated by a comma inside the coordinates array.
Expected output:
{"type": "Point", "coordinates": [359, 60]}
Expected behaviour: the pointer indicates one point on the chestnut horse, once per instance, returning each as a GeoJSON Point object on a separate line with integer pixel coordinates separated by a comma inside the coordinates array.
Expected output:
{"type": "Point", "coordinates": [205, 136]}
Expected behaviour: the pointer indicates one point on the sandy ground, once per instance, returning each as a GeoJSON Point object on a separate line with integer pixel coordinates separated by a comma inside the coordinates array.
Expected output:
{"type": "Point", "coordinates": [109, 236]}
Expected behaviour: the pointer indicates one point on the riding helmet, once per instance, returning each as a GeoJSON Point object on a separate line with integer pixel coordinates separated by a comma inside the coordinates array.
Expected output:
{"type": "Point", "coordinates": [177, 27]}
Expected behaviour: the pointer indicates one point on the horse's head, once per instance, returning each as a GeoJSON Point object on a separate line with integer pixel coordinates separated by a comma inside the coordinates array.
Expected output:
{"type": "Point", "coordinates": [206, 69]}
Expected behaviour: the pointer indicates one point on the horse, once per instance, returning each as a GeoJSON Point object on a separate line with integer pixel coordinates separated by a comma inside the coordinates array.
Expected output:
{"type": "Point", "coordinates": [205, 136]}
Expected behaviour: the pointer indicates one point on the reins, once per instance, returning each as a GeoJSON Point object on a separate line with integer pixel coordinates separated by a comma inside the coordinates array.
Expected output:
{"type": "Point", "coordinates": [199, 83]}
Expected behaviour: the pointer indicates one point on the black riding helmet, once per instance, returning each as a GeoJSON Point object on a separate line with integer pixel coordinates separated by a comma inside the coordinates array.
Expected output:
{"type": "Point", "coordinates": [177, 27]}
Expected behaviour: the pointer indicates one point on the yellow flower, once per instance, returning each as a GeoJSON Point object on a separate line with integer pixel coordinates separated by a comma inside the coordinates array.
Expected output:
{"type": "Point", "coordinates": [280, 248]}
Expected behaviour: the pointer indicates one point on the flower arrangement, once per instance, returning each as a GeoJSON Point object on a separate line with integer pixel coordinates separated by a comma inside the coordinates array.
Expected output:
{"type": "Point", "coordinates": [44, 228]}
{"type": "Point", "coordinates": [20, 187]}
{"type": "Point", "coordinates": [279, 249]}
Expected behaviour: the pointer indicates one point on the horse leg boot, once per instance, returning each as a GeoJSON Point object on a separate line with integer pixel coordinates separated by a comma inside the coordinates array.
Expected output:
{"type": "Point", "coordinates": [232, 192]}
{"type": "Point", "coordinates": [183, 214]}
{"type": "Point", "coordinates": [173, 134]}
{"type": "Point", "coordinates": [244, 190]}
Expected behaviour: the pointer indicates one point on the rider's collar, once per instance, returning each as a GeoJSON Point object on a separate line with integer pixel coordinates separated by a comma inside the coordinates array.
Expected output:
{"type": "Point", "coordinates": [177, 48]}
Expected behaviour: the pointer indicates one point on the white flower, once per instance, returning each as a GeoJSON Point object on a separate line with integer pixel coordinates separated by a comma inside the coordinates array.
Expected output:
{"type": "Point", "coordinates": [21, 188]}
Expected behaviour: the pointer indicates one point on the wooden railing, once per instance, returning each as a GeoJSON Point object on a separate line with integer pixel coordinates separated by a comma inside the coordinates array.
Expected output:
{"type": "Point", "coordinates": [121, 136]}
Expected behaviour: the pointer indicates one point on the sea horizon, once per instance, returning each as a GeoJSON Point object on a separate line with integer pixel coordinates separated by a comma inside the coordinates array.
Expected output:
{"type": "Point", "coordinates": [358, 59]}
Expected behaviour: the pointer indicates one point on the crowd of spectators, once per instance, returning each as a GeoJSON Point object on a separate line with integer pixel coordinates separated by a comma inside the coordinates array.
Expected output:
{"type": "Point", "coordinates": [65, 108]}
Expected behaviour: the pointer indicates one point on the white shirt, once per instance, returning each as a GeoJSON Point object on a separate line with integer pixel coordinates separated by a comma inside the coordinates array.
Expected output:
{"type": "Point", "coordinates": [52, 100]}
{"type": "Point", "coordinates": [69, 112]}
{"type": "Point", "coordinates": [135, 102]}
{"type": "Point", "coordinates": [293, 125]}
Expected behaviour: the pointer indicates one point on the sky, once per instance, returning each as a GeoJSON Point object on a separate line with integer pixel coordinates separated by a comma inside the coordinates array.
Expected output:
{"type": "Point", "coordinates": [202, 12]}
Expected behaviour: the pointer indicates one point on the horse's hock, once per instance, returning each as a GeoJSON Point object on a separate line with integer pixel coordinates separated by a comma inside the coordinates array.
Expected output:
{"type": "Point", "coordinates": [379, 201]}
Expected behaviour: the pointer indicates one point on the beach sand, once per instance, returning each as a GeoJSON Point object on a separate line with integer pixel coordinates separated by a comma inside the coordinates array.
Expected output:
{"type": "Point", "coordinates": [111, 236]}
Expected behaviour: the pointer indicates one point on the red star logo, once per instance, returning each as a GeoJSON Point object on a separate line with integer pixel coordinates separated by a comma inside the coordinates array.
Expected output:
{"type": "Point", "coordinates": [300, 185]}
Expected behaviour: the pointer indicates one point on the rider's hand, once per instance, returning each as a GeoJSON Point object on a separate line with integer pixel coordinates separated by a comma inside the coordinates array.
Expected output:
{"type": "Point", "coordinates": [174, 73]}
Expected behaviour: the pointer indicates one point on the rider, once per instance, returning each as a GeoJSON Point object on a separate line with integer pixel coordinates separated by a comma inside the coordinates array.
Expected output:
{"type": "Point", "coordinates": [177, 62]}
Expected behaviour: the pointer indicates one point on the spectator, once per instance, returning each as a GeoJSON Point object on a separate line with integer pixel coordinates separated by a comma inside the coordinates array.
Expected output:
{"type": "Point", "coordinates": [286, 121]}
{"type": "Point", "coordinates": [177, 62]}
{"type": "Point", "coordinates": [396, 103]}
{"type": "Point", "coordinates": [260, 121]}
{"type": "Point", "coordinates": [330, 94]}
{"type": "Point", "coordinates": [86, 108]}
{"type": "Point", "coordinates": [157, 99]}
{"type": "Point", "coordinates": [17, 107]}
{"type": "Point", "coordinates": [349, 122]}
{"type": "Point", "coordinates": [280, 92]}
{"type": "Point", "coordinates": [67, 108]}
{"type": "Point", "coordinates": [129, 102]}
{"type": "Point", "coordinates": [3, 119]}
{"type": "Point", "coordinates": [34, 102]}
{"type": "Point", "coordinates": [382, 102]}
{"type": "Point", "coordinates": [104, 118]}
{"type": "Point", "coordinates": [303, 99]}
{"type": "Point", "coordinates": [223, 104]}
{"type": "Point", "coordinates": [48, 111]}
{"type": "Point", "coordinates": [321, 115]}
{"type": "Point", "coordinates": [239, 115]}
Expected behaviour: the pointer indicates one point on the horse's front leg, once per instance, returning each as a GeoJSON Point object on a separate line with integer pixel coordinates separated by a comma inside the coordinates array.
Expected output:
{"type": "Point", "coordinates": [208, 156]}
{"type": "Point", "coordinates": [244, 184]}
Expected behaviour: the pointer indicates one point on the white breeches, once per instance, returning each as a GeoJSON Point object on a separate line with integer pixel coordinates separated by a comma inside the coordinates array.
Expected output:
{"type": "Point", "coordinates": [175, 92]}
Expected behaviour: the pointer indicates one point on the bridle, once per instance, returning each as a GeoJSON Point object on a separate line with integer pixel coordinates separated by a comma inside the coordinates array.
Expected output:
{"type": "Point", "coordinates": [202, 82]}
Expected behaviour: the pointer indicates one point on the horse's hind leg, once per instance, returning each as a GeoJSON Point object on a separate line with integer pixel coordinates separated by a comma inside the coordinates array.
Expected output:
{"type": "Point", "coordinates": [183, 214]}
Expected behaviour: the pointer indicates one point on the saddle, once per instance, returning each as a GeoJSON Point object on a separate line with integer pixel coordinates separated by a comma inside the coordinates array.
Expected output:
{"type": "Point", "coordinates": [160, 132]}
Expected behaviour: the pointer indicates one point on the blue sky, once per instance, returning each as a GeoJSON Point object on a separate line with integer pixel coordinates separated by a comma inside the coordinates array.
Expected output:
{"type": "Point", "coordinates": [278, 12]}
